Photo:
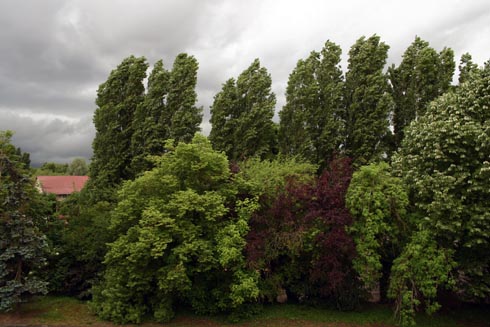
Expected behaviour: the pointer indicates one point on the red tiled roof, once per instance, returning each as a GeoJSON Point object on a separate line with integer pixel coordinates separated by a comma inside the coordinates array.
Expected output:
{"type": "Point", "coordinates": [61, 185]}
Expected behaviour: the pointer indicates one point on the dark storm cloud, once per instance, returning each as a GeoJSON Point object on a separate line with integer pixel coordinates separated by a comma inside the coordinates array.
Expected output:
{"type": "Point", "coordinates": [38, 69]}
{"type": "Point", "coordinates": [52, 139]}
{"type": "Point", "coordinates": [51, 49]}
{"type": "Point", "coordinates": [55, 53]}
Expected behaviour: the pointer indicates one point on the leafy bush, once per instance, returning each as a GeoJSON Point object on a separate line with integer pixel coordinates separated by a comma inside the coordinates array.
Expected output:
{"type": "Point", "coordinates": [177, 240]}
{"type": "Point", "coordinates": [378, 202]}
{"type": "Point", "coordinates": [298, 241]}
{"type": "Point", "coordinates": [23, 245]}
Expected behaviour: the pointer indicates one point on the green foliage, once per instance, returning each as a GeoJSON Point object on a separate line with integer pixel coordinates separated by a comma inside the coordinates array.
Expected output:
{"type": "Point", "coordinates": [51, 169]}
{"type": "Point", "coordinates": [241, 115]}
{"type": "Point", "coordinates": [83, 244]}
{"type": "Point", "coordinates": [311, 125]}
{"type": "Point", "coordinates": [25, 158]}
{"type": "Point", "coordinates": [22, 244]}
{"type": "Point", "coordinates": [184, 117]}
{"type": "Point", "coordinates": [266, 178]}
{"type": "Point", "coordinates": [417, 274]}
{"type": "Point", "coordinates": [466, 68]}
{"type": "Point", "coordinates": [77, 232]}
{"type": "Point", "coordinates": [297, 240]}
{"type": "Point", "coordinates": [444, 160]}
{"type": "Point", "coordinates": [78, 167]}
{"type": "Point", "coordinates": [117, 100]}
{"type": "Point", "coordinates": [177, 239]}
{"type": "Point", "coordinates": [422, 76]}
{"type": "Point", "coordinates": [368, 102]}
{"type": "Point", "coordinates": [167, 111]}
{"type": "Point", "coordinates": [224, 118]}
{"type": "Point", "coordinates": [131, 125]}
{"type": "Point", "coordinates": [151, 120]}
{"type": "Point", "coordinates": [378, 203]}
{"type": "Point", "coordinates": [50, 225]}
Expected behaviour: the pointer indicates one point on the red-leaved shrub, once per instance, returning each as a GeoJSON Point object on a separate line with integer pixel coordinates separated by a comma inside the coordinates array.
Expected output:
{"type": "Point", "coordinates": [298, 240]}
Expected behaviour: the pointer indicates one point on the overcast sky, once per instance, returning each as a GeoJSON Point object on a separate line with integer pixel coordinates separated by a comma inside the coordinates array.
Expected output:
{"type": "Point", "coordinates": [54, 54]}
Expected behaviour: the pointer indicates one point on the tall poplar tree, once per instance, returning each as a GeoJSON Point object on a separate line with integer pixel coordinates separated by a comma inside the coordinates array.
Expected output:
{"type": "Point", "coordinates": [241, 115]}
{"type": "Point", "coordinates": [150, 120]}
{"type": "Point", "coordinates": [422, 76]}
{"type": "Point", "coordinates": [117, 100]}
{"type": "Point", "coordinates": [182, 117]}
{"type": "Point", "coordinates": [310, 123]}
{"type": "Point", "coordinates": [168, 111]}
{"type": "Point", "coordinates": [466, 68]}
{"type": "Point", "coordinates": [368, 102]}
{"type": "Point", "coordinates": [224, 116]}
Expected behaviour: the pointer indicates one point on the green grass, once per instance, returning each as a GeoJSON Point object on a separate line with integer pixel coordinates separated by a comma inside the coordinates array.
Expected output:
{"type": "Point", "coordinates": [55, 310]}
{"type": "Point", "coordinates": [66, 311]}
{"type": "Point", "coordinates": [51, 309]}
{"type": "Point", "coordinates": [370, 315]}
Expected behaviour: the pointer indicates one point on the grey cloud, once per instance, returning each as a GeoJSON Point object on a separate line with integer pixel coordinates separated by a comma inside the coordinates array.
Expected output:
{"type": "Point", "coordinates": [38, 70]}
{"type": "Point", "coordinates": [57, 47]}
{"type": "Point", "coordinates": [466, 30]}
{"type": "Point", "coordinates": [50, 139]}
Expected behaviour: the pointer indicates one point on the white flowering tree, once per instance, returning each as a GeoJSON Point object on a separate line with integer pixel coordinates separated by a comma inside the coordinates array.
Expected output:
{"type": "Point", "coordinates": [445, 160]}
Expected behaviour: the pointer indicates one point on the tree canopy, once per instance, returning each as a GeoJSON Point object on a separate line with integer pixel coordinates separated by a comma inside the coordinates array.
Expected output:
{"type": "Point", "coordinates": [368, 102]}
{"type": "Point", "coordinates": [291, 232]}
{"type": "Point", "coordinates": [151, 120]}
{"type": "Point", "coordinates": [422, 76]}
{"type": "Point", "coordinates": [78, 167]}
{"type": "Point", "coordinates": [184, 116]}
{"type": "Point", "coordinates": [132, 124]}
{"type": "Point", "coordinates": [117, 100]}
{"type": "Point", "coordinates": [311, 124]}
{"type": "Point", "coordinates": [378, 201]}
{"type": "Point", "coordinates": [167, 111]}
{"type": "Point", "coordinates": [23, 246]}
{"type": "Point", "coordinates": [178, 240]}
{"type": "Point", "coordinates": [444, 162]}
{"type": "Point", "coordinates": [241, 115]}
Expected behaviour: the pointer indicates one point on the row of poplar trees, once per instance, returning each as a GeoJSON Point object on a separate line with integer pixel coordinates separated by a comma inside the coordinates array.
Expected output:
{"type": "Point", "coordinates": [132, 124]}
{"type": "Point", "coordinates": [327, 112]}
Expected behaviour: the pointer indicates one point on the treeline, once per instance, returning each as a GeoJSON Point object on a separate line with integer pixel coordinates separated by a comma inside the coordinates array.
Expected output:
{"type": "Point", "coordinates": [77, 167]}
{"type": "Point", "coordinates": [373, 179]}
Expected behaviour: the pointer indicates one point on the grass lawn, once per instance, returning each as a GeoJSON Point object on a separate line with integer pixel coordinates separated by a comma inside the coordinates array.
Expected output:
{"type": "Point", "coordinates": [65, 311]}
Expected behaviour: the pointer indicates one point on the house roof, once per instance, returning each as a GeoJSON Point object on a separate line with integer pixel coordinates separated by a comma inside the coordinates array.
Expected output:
{"type": "Point", "coordinates": [61, 185]}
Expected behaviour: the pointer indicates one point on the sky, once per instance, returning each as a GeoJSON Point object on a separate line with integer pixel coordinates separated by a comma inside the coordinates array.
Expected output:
{"type": "Point", "coordinates": [55, 53]}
